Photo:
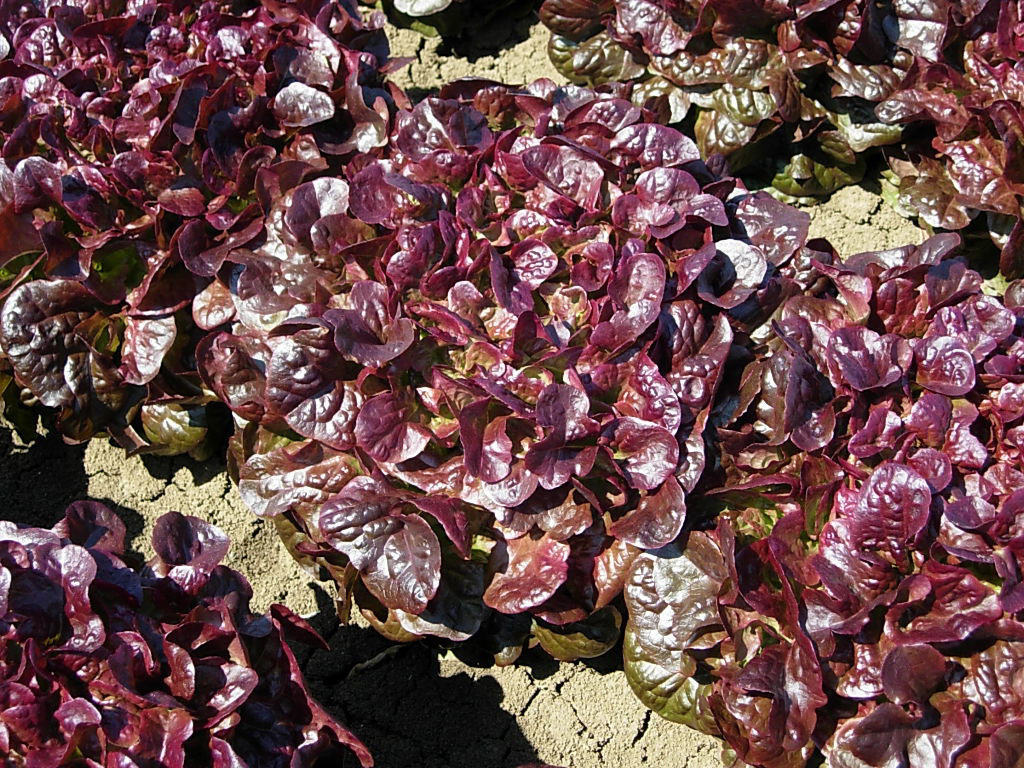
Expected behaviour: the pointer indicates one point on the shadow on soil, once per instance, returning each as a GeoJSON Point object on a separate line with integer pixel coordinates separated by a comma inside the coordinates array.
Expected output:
{"type": "Point", "coordinates": [542, 665]}
{"type": "Point", "coordinates": [166, 467]}
{"type": "Point", "coordinates": [39, 480]}
{"type": "Point", "coordinates": [396, 700]}
{"type": "Point", "coordinates": [489, 36]}
{"type": "Point", "coordinates": [470, 30]}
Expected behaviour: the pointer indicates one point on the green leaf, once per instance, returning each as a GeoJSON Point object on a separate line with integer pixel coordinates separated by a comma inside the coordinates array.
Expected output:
{"type": "Point", "coordinates": [805, 177]}
{"type": "Point", "coordinates": [674, 694]}
{"type": "Point", "coordinates": [595, 635]}
{"type": "Point", "coordinates": [174, 429]}
{"type": "Point", "coordinates": [672, 597]}
{"type": "Point", "coordinates": [862, 136]}
{"type": "Point", "coordinates": [719, 132]}
{"type": "Point", "coordinates": [595, 61]}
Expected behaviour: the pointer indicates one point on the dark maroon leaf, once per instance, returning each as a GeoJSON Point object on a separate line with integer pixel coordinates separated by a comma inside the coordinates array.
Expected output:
{"type": "Point", "coordinates": [1006, 746]}
{"type": "Point", "coordinates": [300, 476]}
{"type": "Point", "coordinates": [185, 540]}
{"type": "Point", "coordinates": [175, 663]}
{"type": "Point", "coordinates": [92, 525]}
{"type": "Point", "coordinates": [488, 449]}
{"type": "Point", "coordinates": [880, 738]}
{"type": "Point", "coordinates": [566, 171]}
{"type": "Point", "coordinates": [959, 603]}
{"type": "Point", "coordinates": [656, 521]}
{"type": "Point", "coordinates": [385, 430]}
{"type": "Point", "coordinates": [146, 342]}
{"type": "Point", "coordinates": [912, 673]}
{"type": "Point", "coordinates": [648, 396]}
{"type": "Point", "coordinates": [733, 274]}
{"type": "Point", "coordinates": [861, 359]}
{"type": "Point", "coordinates": [298, 105]}
{"type": "Point", "coordinates": [892, 508]}
{"type": "Point", "coordinates": [367, 331]}
{"type": "Point", "coordinates": [637, 287]}
{"type": "Point", "coordinates": [398, 555]}
{"type": "Point", "coordinates": [983, 683]}
{"type": "Point", "coordinates": [234, 368]}
{"type": "Point", "coordinates": [38, 334]}
{"type": "Point", "coordinates": [945, 366]}
{"type": "Point", "coordinates": [564, 409]}
{"type": "Point", "coordinates": [306, 385]}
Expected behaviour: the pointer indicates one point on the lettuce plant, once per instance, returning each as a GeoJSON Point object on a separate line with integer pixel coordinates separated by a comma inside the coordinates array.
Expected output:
{"type": "Point", "coordinates": [971, 103]}
{"type": "Point", "coordinates": [496, 360]}
{"type": "Point", "coordinates": [472, 376]}
{"type": "Point", "coordinates": [783, 89]}
{"type": "Point", "coordinates": [800, 93]}
{"type": "Point", "coordinates": [860, 595]}
{"type": "Point", "coordinates": [102, 664]}
{"type": "Point", "coordinates": [139, 146]}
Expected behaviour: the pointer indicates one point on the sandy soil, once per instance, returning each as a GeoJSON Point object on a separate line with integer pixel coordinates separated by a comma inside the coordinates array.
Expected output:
{"type": "Point", "coordinates": [855, 220]}
{"type": "Point", "coordinates": [413, 708]}
{"type": "Point", "coordinates": [514, 55]}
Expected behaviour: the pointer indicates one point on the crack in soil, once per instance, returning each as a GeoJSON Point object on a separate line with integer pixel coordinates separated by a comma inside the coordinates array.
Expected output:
{"type": "Point", "coordinates": [643, 728]}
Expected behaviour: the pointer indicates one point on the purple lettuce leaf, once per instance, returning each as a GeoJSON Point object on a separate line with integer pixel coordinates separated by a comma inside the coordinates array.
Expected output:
{"type": "Point", "coordinates": [162, 666]}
